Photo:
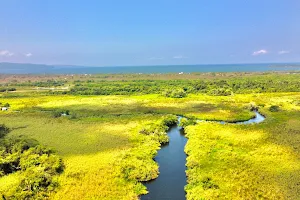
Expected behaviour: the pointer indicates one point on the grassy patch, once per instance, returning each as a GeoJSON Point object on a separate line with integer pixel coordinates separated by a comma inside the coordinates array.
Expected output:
{"type": "Point", "coordinates": [259, 161]}
{"type": "Point", "coordinates": [107, 143]}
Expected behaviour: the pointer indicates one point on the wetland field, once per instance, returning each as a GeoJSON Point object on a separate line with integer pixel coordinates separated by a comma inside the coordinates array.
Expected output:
{"type": "Point", "coordinates": [99, 136]}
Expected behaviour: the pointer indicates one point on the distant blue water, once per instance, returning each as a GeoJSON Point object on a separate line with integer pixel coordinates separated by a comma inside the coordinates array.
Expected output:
{"type": "Point", "coordinates": [10, 68]}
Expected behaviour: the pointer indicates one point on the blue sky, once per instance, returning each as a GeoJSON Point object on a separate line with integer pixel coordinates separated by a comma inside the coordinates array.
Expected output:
{"type": "Point", "coordinates": [144, 32]}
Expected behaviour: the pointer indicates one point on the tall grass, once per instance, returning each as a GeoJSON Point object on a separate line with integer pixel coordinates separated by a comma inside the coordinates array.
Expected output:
{"type": "Point", "coordinates": [107, 153]}
{"type": "Point", "coordinates": [259, 161]}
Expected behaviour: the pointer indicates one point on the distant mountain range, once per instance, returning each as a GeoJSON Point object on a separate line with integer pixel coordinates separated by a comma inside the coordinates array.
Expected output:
{"type": "Point", "coordinates": [23, 66]}
{"type": "Point", "coordinates": [29, 68]}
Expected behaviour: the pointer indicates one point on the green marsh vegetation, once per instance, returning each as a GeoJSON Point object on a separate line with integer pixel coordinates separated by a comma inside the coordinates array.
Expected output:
{"type": "Point", "coordinates": [28, 170]}
{"type": "Point", "coordinates": [259, 161]}
{"type": "Point", "coordinates": [107, 141]}
{"type": "Point", "coordinates": [220, 86]}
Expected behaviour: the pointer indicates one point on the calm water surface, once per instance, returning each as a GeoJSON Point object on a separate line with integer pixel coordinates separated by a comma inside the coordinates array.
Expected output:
{"type": "Point", "coordinates": [172, 178]}
{"type": "Point", "coordinates": [15, 68]}
{"type": "Point", "coordinates": [257, 119]}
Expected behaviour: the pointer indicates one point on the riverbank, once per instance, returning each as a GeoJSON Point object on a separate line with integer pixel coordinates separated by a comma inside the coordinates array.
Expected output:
{"type": "Point", "coordinates": [230, 161]}
{"type": "Point", "coordinates": [171, 160]}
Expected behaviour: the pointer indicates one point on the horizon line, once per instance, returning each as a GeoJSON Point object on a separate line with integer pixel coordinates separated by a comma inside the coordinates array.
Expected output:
{"type": "Point", "coordinates": [144, 65]}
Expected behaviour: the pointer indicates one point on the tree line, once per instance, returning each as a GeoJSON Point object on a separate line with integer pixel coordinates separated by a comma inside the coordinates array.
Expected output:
{"type": "Point", "coordinates": [179, 88]}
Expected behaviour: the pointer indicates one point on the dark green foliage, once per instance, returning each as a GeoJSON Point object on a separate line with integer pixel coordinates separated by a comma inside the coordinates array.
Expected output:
{"type": "Point", "coordinates": [36, 165]}
{"type": "Point", "coordinates": [274, 108]}
{"type": "Point", "coordinates": [3, 130]}
{"type": "Point", "coordinates": [35, 184]}
{"type": "Point", "coordinates": [6, 105]}
{"type": "Point", "coordinates": [7, 89]}
{"type": "Point", "coordinates": [179, 88]}
{"type": "Point", "coordinates": [262, 105]}
{"type": "Point", "coordinates": [48, 83]}
{"type": "Point", "coordinates": [184, 122]}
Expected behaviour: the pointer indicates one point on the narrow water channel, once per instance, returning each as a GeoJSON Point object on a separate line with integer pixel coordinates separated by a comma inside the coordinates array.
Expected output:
{"type": "Point", "coordinates": [257, 119]}
{"type": "Point", "coordinates": [172, 178]}
{"type": "Point", "coordinates": [171, 159]}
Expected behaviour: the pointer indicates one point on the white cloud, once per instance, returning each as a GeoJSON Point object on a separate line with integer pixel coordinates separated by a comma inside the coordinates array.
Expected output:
{"type": "Point", "coordinates": [260, 52]}
{"type": "Point", "coordinates": [179, 57]}
{"type": "Point", "coordinates": [6, 53]}
{"type": "Point", "coordinates": [283, 52]}
{"type": "Point", "coordinates": [28, 54]}
{"type": "Point", "coordinates": [156, 58]}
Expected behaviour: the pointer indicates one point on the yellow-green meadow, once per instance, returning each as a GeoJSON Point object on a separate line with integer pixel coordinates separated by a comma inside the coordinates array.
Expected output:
{"type": "Point", "coordinates": [107, 142]}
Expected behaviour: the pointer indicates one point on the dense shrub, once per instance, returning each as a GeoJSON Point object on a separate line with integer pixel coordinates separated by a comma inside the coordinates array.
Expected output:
{"type": "Point", "coordinates": [58, 113]}
{"type": "Point", "coordinates": [36, 166]}
{"type": "Point", "coordinates": [180, 88]}
{"type": "Point", "coordinates": [7, 89]}
{"type": "Point", "coordinates": [158, 130]}
{"type": "Point", "coordinates": [3, 130]}
{"type": "Point", "coordinates": [175, 93]}
{"type": "Point", "coordinates": [220, 92]}
{"type": "Point", "coordinates": [138, 164]}
{"type": "Point", "coordinates": [170, 120]}
{"type": "Point", "coordinates": [253, 107]}
{"type": "Point", "coordinates": [48, 83]}
{"type": "Point", "coordinates": [184, 122]}
{"type": "Point", "coordinates": [274, 108]}
{"type": "Point", "coordinates": [6, 105]}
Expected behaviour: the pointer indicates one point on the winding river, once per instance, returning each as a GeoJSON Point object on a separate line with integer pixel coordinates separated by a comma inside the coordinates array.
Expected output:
{"type": "Point", "coordinates": [171, 160]}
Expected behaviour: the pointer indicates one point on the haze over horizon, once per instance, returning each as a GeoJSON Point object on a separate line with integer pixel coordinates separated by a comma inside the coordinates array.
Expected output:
{"type": "Point", "coordinates": [119, 33]}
